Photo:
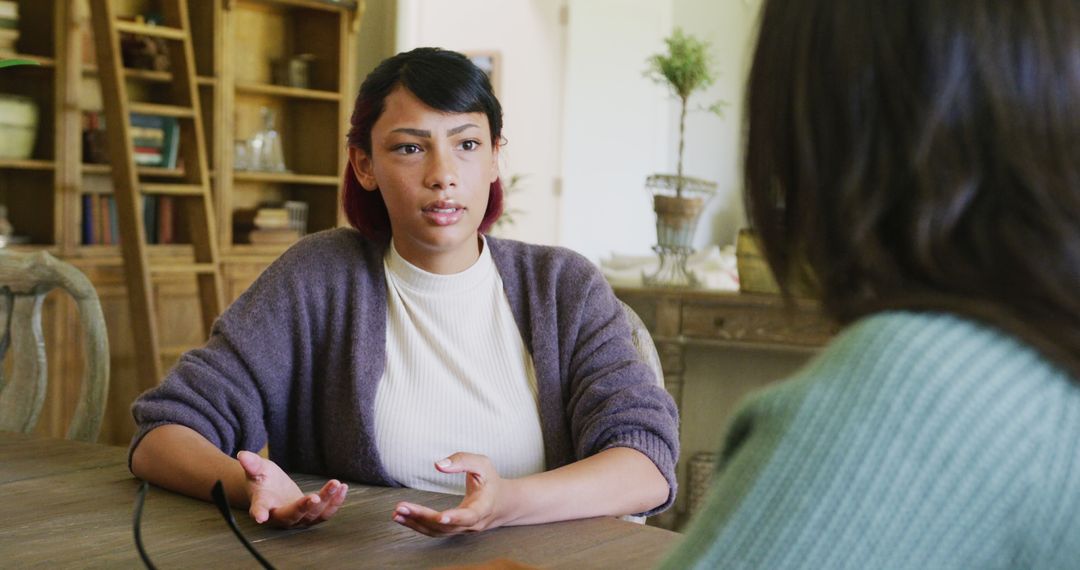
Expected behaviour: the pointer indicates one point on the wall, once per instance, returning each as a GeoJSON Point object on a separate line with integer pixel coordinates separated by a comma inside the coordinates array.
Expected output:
{"type": "Point", "coordinates": [615, 125]}
{"type": "Point", "coordinates": [713, 144]}
{"type": "Point", "coordinates": [377, 37]}
{"type": "Point", "coordinates": [620, 127]}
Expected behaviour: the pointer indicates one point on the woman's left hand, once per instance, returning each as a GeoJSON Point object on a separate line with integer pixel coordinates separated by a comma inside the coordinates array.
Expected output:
{"type": "Point", "coordinates": [482, 508]}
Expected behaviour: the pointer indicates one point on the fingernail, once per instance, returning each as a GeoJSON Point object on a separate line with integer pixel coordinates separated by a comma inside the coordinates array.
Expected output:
{"type": "Point", "coordinates": [399, 520]}
{"type": "Point", "coordinates": [445, 519]}
{"type": "Point", "coordinates": [444, 462]}
{"type": "Point", "coordinates": [402, 511]}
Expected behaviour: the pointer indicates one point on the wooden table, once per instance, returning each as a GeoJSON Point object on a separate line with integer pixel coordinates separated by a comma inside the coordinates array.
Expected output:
{"type": "Point", "coordinates": [69, 504]}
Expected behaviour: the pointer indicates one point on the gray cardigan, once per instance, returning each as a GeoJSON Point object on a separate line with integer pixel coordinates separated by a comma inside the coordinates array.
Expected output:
{"type": "Point", "coordinates": [295, 361]}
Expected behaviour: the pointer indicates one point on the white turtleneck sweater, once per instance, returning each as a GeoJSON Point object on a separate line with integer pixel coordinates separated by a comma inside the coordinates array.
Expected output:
{"type": "Point", "coordinates": [458, 377]}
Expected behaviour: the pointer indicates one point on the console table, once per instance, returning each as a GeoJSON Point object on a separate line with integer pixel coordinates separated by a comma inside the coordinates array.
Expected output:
{"type": "Point", "coordinates": [681, 318]}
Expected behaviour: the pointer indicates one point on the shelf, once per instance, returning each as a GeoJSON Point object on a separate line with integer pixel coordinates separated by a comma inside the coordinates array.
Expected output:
{"type": "Point", "coordinates": [331, 5]}
{"type": "Point", "coordinates": [142, 171]}
{"type": "Point", "coordinates": [286, 178]}
{"type": "Point", "coordinates": [153, 76]}
{"type": "Point", "coordinates": [42, 61]}
{"type": "Point", "coordinates": [283, 91]}
{"type": "Point", "coordinates": [111, 252]}
{"type": "Point", "coordinates": [246, 249]}
{"type": "Point", "coordinates": [32, 248]}
{"type": "Point", "coordinates": [26, 164]}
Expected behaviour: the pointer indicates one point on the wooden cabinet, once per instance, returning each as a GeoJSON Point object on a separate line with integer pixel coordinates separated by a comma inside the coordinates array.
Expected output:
{"type": "Point", "coordinates": [237, 43]}
{"type": "Point", "coordinates": [680, 318]}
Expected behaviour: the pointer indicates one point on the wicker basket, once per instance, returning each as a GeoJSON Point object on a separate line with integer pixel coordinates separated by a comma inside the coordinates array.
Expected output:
{"type": "Point", "coordinates": [754, 273]}
{"type": "Point", "coordinates": [702, 467]}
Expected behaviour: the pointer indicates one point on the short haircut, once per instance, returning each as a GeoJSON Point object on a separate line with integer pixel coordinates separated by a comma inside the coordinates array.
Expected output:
{"type": "Point", "coordinates": [922, 154]}
{"type": "Point", "coordinates": [445, 81]}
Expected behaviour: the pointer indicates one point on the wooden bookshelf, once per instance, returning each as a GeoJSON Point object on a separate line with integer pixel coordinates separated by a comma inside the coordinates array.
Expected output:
{"type": "Point", "coordinates": [236, 44]}
{"type": "Point", "coordinates": [27, 164]}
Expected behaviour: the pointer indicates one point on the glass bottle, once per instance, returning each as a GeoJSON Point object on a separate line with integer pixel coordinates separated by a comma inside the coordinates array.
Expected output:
{"type": "Point", "coordinates": [267, 153]}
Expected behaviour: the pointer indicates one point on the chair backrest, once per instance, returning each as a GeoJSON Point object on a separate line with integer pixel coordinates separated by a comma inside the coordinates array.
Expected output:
{"type": "Point", "coordinates": [25, 279]}
{"type": "Point", "coordinates": [646, 350]}
{"type": "Point", "coordinates": [643, 342]}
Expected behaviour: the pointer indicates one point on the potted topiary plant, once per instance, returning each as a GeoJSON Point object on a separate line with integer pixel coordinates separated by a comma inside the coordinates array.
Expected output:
{"type": "Point", "coordinates": [686, 68]}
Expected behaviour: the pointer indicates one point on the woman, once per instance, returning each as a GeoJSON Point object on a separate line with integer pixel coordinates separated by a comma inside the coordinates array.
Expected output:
{"type": "Point", "coordinates": [371, 353]}
{"type": "Point", "coordinates": [920, 162]}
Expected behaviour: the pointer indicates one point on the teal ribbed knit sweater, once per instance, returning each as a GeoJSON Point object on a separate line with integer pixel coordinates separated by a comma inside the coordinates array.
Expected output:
{"type": "Point", "coordinates": [912, 441]}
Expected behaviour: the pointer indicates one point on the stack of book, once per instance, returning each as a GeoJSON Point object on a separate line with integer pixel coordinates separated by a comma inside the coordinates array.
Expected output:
{"type": "Point", "coordinates": [265, 226]}
{"type": "Point", "coordinates": [9, 26]}
{"type": "Point", "coordinates": [156, 139]}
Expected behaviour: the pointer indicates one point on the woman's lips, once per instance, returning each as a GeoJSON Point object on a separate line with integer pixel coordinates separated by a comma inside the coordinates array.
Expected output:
{"type": "Point", "coordinates": [443, 213]}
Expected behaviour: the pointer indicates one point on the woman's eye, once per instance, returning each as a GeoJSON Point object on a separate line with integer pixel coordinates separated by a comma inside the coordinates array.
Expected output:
{"type": "Point", "coordinates": [407, 149]}
{"type": "Point", "coordinates": [470, 145]}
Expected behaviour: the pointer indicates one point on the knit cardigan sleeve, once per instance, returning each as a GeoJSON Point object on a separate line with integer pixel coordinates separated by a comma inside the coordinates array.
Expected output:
{"type": "Point", "coordinates": [615, 399]}
{"type": "Point", "coordinates": [284, 364]}
{"type": "Point", "coordinates": [595, 392]}
{"type": "Point", "coordinates": [226, 389]}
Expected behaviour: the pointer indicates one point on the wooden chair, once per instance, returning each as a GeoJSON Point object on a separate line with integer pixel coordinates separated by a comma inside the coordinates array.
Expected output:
{"type": "Point", "coordinates": [646, 350]}
{"type": "Point", "coordinates": [25, 279]}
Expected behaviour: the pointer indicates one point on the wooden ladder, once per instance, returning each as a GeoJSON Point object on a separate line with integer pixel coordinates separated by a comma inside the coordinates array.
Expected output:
{"type": "Point", "coordinates": [192, 191]}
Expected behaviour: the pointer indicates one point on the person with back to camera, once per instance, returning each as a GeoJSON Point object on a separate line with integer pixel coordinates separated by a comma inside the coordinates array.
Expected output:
{"type": "Point", "coordinates": [370, 353]}
{"type": "Point", "coordinates": [919, 161]}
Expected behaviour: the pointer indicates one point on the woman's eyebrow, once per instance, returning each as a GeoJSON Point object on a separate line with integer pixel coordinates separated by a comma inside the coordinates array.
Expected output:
{"type": "Point", "coordinates": [457, 130]}
{"type": "Point", "coordinates": [415, 132]}
{"type": "Point", "coordinates": [423, 133]}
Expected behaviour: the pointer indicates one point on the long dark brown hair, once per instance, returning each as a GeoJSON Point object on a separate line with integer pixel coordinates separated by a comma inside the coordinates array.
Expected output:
{"type": "Point", "coordinates": [923, 154]}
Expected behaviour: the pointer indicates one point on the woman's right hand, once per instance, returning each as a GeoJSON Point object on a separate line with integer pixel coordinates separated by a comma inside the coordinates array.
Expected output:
{"type": "Point", "coordinates": [275, 497]}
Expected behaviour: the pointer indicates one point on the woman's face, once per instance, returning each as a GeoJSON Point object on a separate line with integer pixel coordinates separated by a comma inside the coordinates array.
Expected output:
{"type": "Point", "coordinates": [434, 170]}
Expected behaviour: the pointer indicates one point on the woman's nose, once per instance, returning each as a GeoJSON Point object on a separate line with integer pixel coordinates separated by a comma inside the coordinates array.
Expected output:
{"type": "Point", "coordinates": [440, 173]}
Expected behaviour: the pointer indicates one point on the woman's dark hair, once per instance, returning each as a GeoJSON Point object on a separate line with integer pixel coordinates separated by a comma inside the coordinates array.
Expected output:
{"type": "Point", "coordinates": [923, 154]}
{"type": "Point", "coordinates": [445, 81]}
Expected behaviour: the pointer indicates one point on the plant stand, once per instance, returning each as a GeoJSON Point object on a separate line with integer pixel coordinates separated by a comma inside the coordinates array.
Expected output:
{"type": "Point", "coordinates": [678, 202]}
{"type": "Point", "coordinates": [672, 271]}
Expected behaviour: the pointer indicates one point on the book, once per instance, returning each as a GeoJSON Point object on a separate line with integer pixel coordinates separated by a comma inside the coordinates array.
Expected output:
{"type": "Point", "coordinates": [87, 219]}
{"type": "Point", "coordinates": [165, 221]}
{"type": "Point", "coordinates": [150, 222]}
{"type": "Point", "coordinates": [114, 222]}
{"type": "Point", "coordinates": [105, 221]}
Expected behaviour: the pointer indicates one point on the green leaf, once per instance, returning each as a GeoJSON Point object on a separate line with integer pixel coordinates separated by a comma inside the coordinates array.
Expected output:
{"type": "Point", "coordinates": [687, 66]}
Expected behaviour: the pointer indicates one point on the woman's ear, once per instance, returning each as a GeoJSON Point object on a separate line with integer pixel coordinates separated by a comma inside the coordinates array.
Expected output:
{"type": "Point", "coordinates": [495, 163]}
{"type": "Point", "coordinates": [362, 168]}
